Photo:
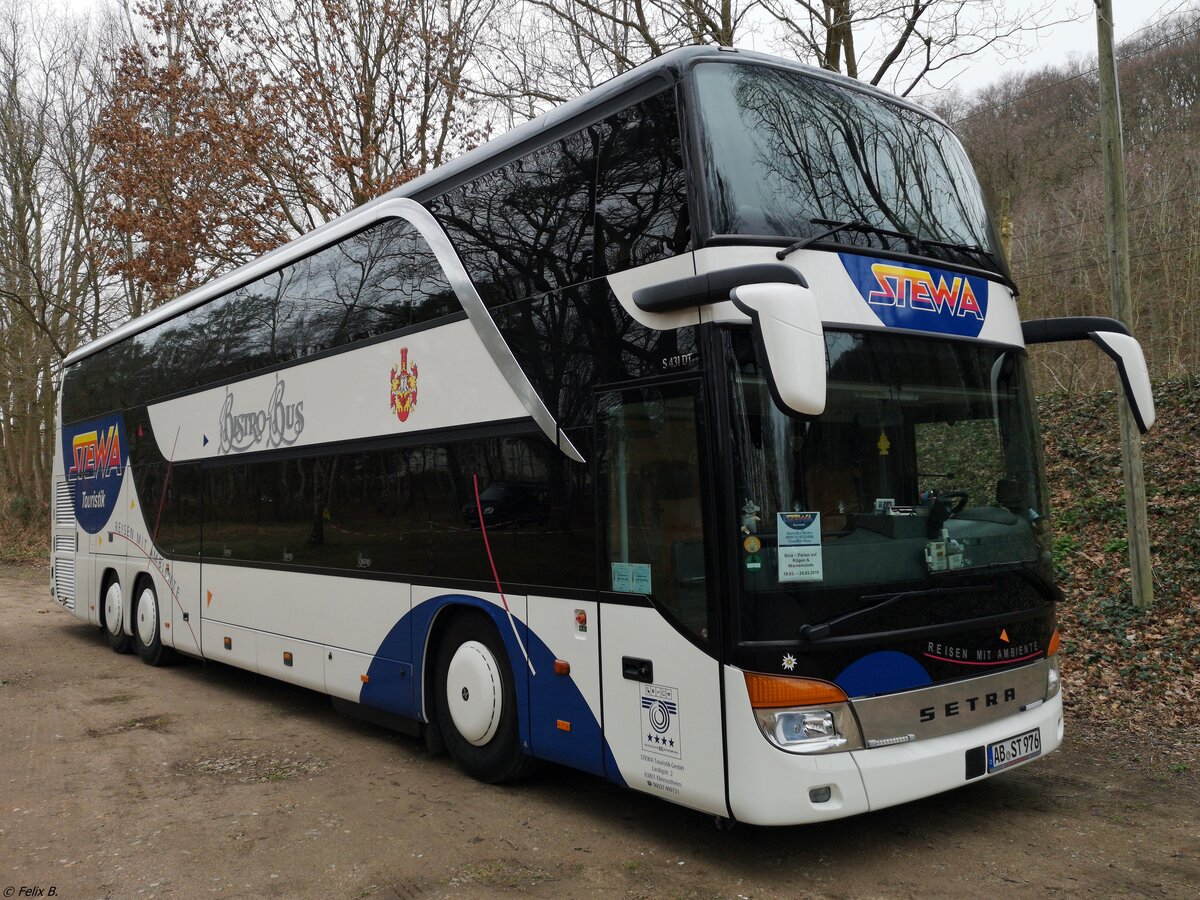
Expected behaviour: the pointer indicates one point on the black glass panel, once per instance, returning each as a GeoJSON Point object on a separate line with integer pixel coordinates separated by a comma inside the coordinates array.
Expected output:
{"type": "Point", "coordinates": [651, 485]}
{"type": "Point", "coordinates": [526, 228]}
{"type": "Point", "coordinates": [641, 195]}
{"type": "Point", "coordinates": [411, 511]}
{"type": "Point", "coordinates": [570, 341]}
{"type": "Point", "coordinates": [609, 197]}
{"type": "Point", "coordinates": [170, 499]}
{"type": "Point", "coordinates": [782, 149]}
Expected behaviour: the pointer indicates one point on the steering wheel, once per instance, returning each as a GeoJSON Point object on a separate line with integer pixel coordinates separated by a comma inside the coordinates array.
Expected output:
{"type": "Point", "coordinates": [960, 496]}
{"type": "Point", "coordinates": [943, 509]}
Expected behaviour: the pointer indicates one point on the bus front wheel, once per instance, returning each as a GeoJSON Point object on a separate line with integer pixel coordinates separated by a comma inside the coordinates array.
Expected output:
{"type": "Point", "coordinates": [114, 612]}
{"type": "Point", "coordinates": [476, 701]}
{"type": "Point", "coordinates": [147, 626]}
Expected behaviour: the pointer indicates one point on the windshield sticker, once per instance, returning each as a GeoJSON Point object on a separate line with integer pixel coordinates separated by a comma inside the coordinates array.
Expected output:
{"type": "Point", "coordinates": [920, 298]}
{"type": "Point", "coordinates": [799, 535]}
{"type": "Point", "coordinates": [631, 578]}
{"type": "Point", "coordinates": [95, 455]}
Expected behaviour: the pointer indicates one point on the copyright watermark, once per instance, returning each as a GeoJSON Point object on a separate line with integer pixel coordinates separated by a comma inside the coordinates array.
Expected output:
{"type": "Point", "coordinates": [30, 890]}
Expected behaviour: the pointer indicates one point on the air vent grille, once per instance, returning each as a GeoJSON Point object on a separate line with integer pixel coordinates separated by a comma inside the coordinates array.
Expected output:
{"type": "Point", "coordinates": [64, 505]}
{"type": "Point", "coordinates": [64, 580]}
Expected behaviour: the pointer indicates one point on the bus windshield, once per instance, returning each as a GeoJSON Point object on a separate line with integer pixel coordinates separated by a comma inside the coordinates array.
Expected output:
{"type": "Point", "coordinates": [788, 155]}
{"type": "Point", "coordinates": [924, 470]}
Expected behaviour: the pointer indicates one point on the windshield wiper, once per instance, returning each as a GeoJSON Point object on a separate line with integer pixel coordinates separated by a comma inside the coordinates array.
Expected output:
{"type": "Point", "coordinates": [834, 228]}
{"type": "Point", "coordinates": [977, 251]}
{"type": "Point", "coordinates": [912, 240]}
{"type": "Point", "coordinates": [1022, 570]}
{"type": "Point", "coordinates": [821, 630]}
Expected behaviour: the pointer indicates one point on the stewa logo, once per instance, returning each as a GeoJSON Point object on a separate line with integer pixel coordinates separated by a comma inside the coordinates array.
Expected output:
{"type": "Point", "coordinates": [919, 298]}
{"type": "Point", "coordinates": [94, 454]}
{"type": "Point", "coordinates": [277, 425]}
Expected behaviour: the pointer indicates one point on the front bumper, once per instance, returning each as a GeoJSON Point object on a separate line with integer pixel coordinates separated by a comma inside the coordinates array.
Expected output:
{"type": "Point", "coordinates": [768, 786]}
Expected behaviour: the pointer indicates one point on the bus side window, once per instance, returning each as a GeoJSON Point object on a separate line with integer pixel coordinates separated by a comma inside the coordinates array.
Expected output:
{"type": "Point", "coordinates": [526, 228]}
{"type": "Point", "coordinates": [641, 190]}
{"type": "Point", "coordinates": [650, 480]}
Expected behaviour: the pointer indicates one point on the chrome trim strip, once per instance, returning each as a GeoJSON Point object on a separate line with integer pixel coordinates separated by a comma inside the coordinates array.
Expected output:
{"type": "Point", "coordinates": [885, 717]}
{"type": "Point", "coordinates": [439, 242]}
{"type": "Point", "coordinates": [479, 316]}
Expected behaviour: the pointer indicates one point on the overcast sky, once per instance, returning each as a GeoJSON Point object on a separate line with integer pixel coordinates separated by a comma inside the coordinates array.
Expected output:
{"type": "Point", "coordinates": [1073, 39]}
{"type": "Point", "coordinates": [1053, 45]}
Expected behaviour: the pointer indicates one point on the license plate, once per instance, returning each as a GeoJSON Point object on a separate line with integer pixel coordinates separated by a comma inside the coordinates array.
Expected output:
{"type": "Point", "coordinates": [1013, 750]}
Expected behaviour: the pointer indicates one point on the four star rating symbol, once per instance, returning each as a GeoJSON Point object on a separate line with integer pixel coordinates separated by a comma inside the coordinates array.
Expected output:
{"type": "Point", "coordinates": [655, 739]}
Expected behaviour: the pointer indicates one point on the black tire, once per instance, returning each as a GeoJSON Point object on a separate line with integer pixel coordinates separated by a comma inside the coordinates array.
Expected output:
{"type": "Point", "coordinates": [147, 626]}
{"type": "Point", "coordinates": [471, 660]}
{"type": "Point", "coordinates": [112, 602]}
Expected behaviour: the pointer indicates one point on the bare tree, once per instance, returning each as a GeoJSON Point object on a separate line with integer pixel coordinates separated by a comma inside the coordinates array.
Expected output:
{"type": "Point", "coordinates": [548, 51]}
{"type": "Point", "coordinates": [900, 44]}
{"type": "Point", "coordinates": [51, 294]}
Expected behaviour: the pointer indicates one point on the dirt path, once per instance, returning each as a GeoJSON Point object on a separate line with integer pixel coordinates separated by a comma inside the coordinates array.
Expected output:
{"type": "Point", "coordinates": [121, 780]}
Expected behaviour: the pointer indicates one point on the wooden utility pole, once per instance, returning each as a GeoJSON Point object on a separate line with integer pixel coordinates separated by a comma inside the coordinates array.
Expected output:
{"type": "Point", "coordinates": [1006, 226]}
{"type": "Point", "coordinates": [1140, 574]}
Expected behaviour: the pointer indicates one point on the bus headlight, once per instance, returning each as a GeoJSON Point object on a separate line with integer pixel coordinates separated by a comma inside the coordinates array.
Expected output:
{"type": "Point", "coordinates": [819, 730]}
{"type": "Point", "coordinates": [802, 715]}
{"type": "Point", "coordinates": [1053, 674]}
{"type": "Point", "coordinates": [1053, 678]}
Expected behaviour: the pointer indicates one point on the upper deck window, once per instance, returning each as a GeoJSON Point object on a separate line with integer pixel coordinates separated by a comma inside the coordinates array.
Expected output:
{"type": "Point", "coordinates": [377, 281]}
{"type": "Point", "coordinates": [609, 197]}
{"type": "Point", "coordinates": [781, 149]}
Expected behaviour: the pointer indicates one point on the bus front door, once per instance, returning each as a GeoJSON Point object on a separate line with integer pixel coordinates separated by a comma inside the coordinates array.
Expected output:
{"type": "Point", "coordinates": [658, 619]}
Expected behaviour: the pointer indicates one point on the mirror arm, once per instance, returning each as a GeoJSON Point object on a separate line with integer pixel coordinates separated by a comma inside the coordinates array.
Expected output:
{"type": "Point", "coordinates": [1069, 328]}
{"type": "Point", "coordinates": [1117, 342]}
{"type": "Point", "coordinates": [698, 290]}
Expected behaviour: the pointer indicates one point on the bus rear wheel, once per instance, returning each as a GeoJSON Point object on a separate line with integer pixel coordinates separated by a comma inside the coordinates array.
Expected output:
{"type": "Point", "coordinates": [147, 626]}
{"type": "Point", "coordinates": [476, 701]}
{"type": "Point", "coordinates": [114, 612]}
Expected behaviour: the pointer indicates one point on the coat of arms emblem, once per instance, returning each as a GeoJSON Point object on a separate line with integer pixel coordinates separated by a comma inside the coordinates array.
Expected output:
{"type": "Point", "coordinates": [404, 387]}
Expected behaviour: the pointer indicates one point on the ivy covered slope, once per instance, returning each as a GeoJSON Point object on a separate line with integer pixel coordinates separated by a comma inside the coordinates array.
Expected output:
{"type": "Point", "coordinates": [1123, 667]}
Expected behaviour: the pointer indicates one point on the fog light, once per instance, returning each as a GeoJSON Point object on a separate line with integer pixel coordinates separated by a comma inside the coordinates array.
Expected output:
{"type": "Point", "coordinates": [821, 794]}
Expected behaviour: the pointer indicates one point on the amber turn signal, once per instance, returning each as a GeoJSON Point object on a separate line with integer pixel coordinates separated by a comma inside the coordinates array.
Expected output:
{"type": "Point", "coordinates": [562, 667]}
{"type": "Point", "coordinates": [775, 691]}
{"type": "Point", "coordinates": [1054, 642]}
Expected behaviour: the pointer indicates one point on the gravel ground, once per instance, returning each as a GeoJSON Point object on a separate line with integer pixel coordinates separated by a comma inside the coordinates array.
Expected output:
{"type": "Point", "coordinates": [119, 780]}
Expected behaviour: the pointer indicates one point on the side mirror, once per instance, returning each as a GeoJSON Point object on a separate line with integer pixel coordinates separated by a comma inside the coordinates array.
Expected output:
{"type": "Point", "coordinates": [1114, 339]}
{"type": "Point", "coordinates": [790, 341]}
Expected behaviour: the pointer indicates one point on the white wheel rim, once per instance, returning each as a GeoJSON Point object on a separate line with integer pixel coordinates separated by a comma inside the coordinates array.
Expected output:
{"type": "Point", "coordinates": [474, 692]}
{"type": "Point", "coordinates": [112, 608]}
{"type": "Point", "coordinates": [147, 617]}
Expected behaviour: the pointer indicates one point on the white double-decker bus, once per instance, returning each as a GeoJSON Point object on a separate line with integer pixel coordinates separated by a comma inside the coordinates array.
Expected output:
{"type": "Point", "coordinates": [682, 436]}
